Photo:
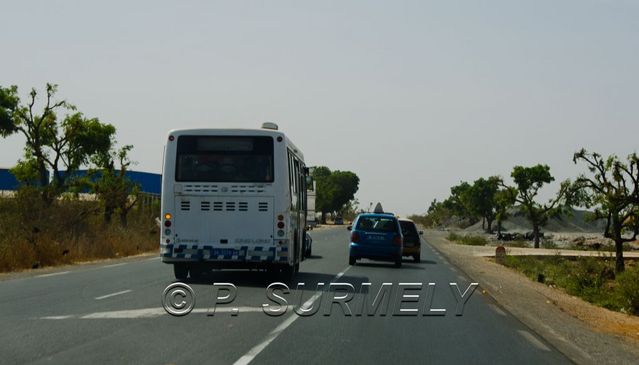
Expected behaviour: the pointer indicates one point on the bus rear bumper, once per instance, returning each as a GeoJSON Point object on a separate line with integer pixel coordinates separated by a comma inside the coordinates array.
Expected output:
{"type": "Point", "coordinates": [204, 253]}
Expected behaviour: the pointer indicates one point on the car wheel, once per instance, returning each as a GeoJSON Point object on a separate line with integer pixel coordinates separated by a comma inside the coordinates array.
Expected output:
{"type": "Point", "coordinates": [181, 271]}
{"type": "Point", "coordinates": [416, 258]}
{"type": "Point", "coordinates": [351, 260]}
{"type": "Point", "coordinates": [308, 251]}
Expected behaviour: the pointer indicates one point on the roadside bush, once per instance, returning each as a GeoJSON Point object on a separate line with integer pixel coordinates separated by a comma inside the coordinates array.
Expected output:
{"type": "Point", "coordinates": [452, 236]}
{"type": "Point", "coordinates": [628, 289]}
{"type": "Point", "coordinates": [69, 230]}
{"type": "Point", "coordinates": [590, 278]}
{"type": "Point", "coordinates": [471, 240]}
{"type": "Point", "coordinates": [517, 243]}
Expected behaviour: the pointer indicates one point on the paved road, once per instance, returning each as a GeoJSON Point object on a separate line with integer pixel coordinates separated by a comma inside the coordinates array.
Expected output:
{"type": "Point", "coordinates": [111, 313]}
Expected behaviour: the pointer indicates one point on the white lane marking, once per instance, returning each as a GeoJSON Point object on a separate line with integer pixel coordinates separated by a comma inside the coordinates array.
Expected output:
{"type": "Point", "coordinates": [533, 340]}
{"type": "Point", "coordinates": [113, 294]}
{"type": "Point", "coordinates": [114, 265]}
{"type": "Point", "coordinates": [453, 268]}
{"type": "Point", "coordinates": [57, 317]}
{"type": "Point", "coordinates": [152, 259]}
{"type": "Point", "coordinates": [149, 313]}
{"type": "Point", "coordinates": [497, 310]}
{"type": "Point", "coordinates": [252, 353]}
{"type": "Point", "coordinates": [52, 274]}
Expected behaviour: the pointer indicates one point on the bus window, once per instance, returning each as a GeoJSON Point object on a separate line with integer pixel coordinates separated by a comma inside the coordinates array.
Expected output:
{"type": "Point", "coordinates": [224, 159]}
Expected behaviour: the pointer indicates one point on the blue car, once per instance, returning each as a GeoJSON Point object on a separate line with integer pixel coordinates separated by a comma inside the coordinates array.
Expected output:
{"type": "Point", "coordinates": [376, 236]}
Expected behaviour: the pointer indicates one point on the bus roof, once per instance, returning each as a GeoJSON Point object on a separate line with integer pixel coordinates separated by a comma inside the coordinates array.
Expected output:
{"type": "Point", "coordinates": [240, 132]}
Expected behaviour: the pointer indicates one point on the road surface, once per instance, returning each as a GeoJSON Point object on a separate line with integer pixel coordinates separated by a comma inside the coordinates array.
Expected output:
{"type": "Point", "coordinates": [112, 313]}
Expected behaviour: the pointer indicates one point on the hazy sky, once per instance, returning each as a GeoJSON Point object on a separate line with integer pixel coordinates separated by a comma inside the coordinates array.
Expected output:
{"type": "Point", "coordinates": [413, 96]}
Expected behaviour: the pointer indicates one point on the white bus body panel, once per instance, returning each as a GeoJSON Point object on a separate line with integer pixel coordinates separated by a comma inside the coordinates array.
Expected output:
{"type": "Point", "coordinates": [228, 222]}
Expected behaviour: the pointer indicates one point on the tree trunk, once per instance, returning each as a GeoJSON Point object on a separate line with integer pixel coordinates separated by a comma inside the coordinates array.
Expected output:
{"type": "Point", "coordinates": [123, 220]}
{"type": "Point", "coordinates": [619, 264]}
{"type": "Point", "coordinates": [323, 217]}
{"type": "Point", "coordinates": [617, 226]}
{"type": "Point", "coordinates": [483, 223]}
{"type": "Point", "coordinates": [489, 224]}
{"type": "Point", "coordinates": [499, 227]}
{"type": "Point", "coordinates": [536, 234]}
{"type": "Point", "coordinates": [108, 212]}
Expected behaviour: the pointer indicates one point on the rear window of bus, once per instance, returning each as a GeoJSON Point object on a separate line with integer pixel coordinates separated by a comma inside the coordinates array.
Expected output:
{"type": "Point", "coordinates": [224, 159]}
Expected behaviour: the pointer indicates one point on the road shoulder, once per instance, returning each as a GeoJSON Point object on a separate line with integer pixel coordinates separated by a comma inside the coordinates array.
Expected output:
{"type": "Point", "coordinates": [78, 265]}
{"type": "Point", "coordinates": [563, 320]}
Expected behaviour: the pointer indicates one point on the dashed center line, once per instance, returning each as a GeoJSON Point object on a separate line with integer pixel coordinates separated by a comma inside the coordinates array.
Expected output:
{"type": "Point", "coordinates": [113, 294]}
{"type": "Point", "coordinates": [114, 265]}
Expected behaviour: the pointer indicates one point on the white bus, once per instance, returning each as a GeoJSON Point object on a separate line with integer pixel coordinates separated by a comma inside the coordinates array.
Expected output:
{"type": "Point", "coordinates": [233, 198]}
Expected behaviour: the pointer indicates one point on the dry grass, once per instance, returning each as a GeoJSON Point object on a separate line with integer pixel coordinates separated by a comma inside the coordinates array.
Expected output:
{"type": "Point", "coordinates": [35, 235]}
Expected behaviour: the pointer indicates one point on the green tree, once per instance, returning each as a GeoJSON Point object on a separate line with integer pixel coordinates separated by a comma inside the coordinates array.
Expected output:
{"type": "Point", "coordinates": [344, 186]}
{"type": "Point", "coordinates": [117, 193]}
{"type": "Point", "coordinates": [335, 189]}
{"type": "Point", "coordinates": [528, 182]}
{"type": "Point", "coordinates": [324, 191]}
{"type": "Point", "coordinates": [461, 204]}
{"type": "Point", "coordinates": [613, 190]}
{"type": "Point", "coordinates": [51, 144]}
{"type": "Point", "coordinates": [481, 200]}
{"type": "Point", "coordinates": [437, 214]}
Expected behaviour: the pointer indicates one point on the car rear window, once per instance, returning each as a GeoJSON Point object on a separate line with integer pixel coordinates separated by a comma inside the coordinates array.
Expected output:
{"type": "Point", "coordinates": [408, 228]}
{"type": "Point", "coordinates": [377, 224]}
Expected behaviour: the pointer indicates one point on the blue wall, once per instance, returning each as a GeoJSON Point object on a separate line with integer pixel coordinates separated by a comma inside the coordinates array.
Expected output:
{"type": "Point", "coordinates": [149, 183]}
{"type": "Point", "coordinates": [7, 180]}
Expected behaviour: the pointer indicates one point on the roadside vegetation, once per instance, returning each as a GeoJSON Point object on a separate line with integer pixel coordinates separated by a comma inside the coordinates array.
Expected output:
{"type": "Point", "coordinates": [609, 190]}
{"type": "Point", "coordinates": [68, 230]}
{"type": "Point", "coordinates": [469, 239]}
{"type": "Point", "coordinates": [61, 214]}
{"type": "Point", "coordinates": [590, 278]}
{"type": "Point", "coordinates": [335, 192]}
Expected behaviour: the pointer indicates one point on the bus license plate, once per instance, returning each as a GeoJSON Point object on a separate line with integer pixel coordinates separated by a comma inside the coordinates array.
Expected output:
{"type": "Point", "coordinates": [224, 252]}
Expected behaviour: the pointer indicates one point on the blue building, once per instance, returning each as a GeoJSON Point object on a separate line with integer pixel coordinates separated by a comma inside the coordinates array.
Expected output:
{"type": "Point", "coordinates": [7, 180]}
{"type": "Point", "coordinates": [149, 183]}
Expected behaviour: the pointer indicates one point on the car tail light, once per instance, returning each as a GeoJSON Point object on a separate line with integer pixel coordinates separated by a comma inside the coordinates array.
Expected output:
{"type": "Point", "coordinates": [354, 237]}
{"type": "Point", "coordinates": [397, 240]}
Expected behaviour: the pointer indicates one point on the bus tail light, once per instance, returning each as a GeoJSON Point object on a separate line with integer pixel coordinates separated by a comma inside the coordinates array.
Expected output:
{"type": "Point", "coordinates": [280, 225]}
{"type": "Point", "coordinates": [354, 237]}
{"type": "Point", "coordinates": [397, 240]}
{"type": "Point", "coordinates": [167, 219]}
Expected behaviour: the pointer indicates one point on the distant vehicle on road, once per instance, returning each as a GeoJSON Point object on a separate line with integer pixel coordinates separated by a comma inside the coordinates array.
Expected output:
{"type": "Point", "coordinates": [412, 240]}
{"type": "Point", "coordinates": [339, 221]}
{"type": "Point", "coordinates": [233, 198]}
{"type": "Point", "coordinates": [376, 236]}
{"type": "Point", "coordinates": [311, 192]}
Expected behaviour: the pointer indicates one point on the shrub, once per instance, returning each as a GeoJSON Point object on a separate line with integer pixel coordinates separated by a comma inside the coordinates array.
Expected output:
{"type": "Point", "coordinates": [471, 240]}
{"type": "Point", "coordinates": [69, 230]}
{"type": "Point", "coordinates": [628, 289]}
